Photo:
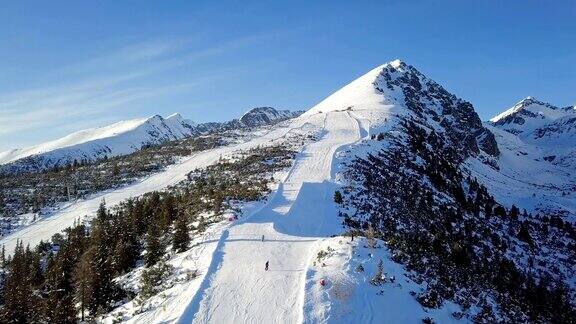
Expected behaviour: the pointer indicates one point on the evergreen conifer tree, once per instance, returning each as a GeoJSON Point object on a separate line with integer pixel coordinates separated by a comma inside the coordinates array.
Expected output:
{"type": "Point", "coordinates": [181, 234]}
{"type": "Point", "coordinates": [154, 246]}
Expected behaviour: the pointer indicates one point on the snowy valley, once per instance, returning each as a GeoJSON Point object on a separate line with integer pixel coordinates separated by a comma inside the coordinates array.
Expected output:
{"type": "Point", "coordinates": [390, 201]}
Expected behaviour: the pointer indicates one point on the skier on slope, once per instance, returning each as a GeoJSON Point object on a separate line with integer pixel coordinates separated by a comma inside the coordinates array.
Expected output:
{"type": "Point", "coordinates": [267, 263]}
{"type": "Point", "coordinates": [262, 238]}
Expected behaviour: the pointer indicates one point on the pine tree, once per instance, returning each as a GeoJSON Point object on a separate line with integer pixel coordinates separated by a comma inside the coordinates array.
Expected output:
{"type": "Point", "coordinates": [181, 234]}
{"type": "Point", "coordinates": [378, 278]}
{"type": "Point", "coordinates": [154, 246]}
{"type": "Point", "coordinates": [59, 289]}
{"type": "Point", "coordinates": [3, 257]}
{"type": "Point", "coordinates": [102, 270]}
{"type": "Point", "coordinates": [127, 249]}
{"type": "Point", "coordinates": [152, 278]}
{"type": "Point", "coordinates": [514, 212]}
{"type": "Point", "coordinates": [201, 225]}
{"type": "Point", "coordinates": [83, 282]}
{"type": "Point", "coordinates": [17, 288]}
{"type": "Point", "coordinates": [338, 197]}
{"type": "Point", "coordinates": [168, 212]}
{"type": "Point", "coordinates": [123, 259]}
{"type": "Point", "coordinates": [371, 236]}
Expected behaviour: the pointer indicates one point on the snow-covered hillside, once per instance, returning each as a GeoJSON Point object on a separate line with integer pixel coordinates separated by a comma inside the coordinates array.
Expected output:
{"type": "Point", "coordinates": [536, 167]}
{"type": "Point", "coordinates": [529, 115]}
{"type": "Point", "coordinates": [117, 139]}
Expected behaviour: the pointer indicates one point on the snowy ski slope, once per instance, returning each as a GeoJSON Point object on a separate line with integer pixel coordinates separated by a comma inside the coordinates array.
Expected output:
{"type": "Point", "coordinates": [238, 289]}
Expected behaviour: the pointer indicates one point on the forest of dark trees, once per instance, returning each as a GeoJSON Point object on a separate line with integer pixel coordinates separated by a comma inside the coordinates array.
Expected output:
{"type": "Point", "coordinates": [447, 230]}
{"type": "Point", "coordinates": [71, 278]}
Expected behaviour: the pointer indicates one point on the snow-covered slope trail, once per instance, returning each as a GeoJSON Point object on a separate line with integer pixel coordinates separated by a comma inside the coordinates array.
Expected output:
{"type": "Point", "coordinates": [58, 221]}
{"type": "Point", "coordinates": [237, 289]}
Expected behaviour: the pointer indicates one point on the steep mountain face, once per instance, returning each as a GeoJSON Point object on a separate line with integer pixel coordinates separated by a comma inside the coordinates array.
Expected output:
{"type": "Point", "coordinates": [409, 94]}
{"type": "Point", "coordinates": [432, 103]}
{"type": "Point", "coordinates": [126, 137]}
{"type": "Point", "coordinates": [529, 147]}
{"type": "Point", "coordinates": [456, 199]}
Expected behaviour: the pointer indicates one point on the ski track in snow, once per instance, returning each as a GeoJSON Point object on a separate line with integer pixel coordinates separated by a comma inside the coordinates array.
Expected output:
{"type": "Point", "coordinates": [236, 288]}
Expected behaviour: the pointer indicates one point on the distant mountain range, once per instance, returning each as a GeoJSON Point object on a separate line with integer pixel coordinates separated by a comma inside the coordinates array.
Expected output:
{"type": "Point", "coordinates": [126, 137]}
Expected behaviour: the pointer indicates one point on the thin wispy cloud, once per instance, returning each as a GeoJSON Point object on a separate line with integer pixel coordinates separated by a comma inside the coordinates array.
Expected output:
{"type": "Point", "coordinates": [102, 84]}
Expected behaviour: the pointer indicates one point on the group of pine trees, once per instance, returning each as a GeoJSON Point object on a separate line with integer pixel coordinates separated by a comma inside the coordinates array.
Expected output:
{"type": "Point", "coordinates": [446, 227]}
{"type": "Point", "coordinates": [47, 283]}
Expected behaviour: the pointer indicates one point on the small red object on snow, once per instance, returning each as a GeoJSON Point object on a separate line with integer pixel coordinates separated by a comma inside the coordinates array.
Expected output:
{"type": "Point", "coordinates": [322, 282]}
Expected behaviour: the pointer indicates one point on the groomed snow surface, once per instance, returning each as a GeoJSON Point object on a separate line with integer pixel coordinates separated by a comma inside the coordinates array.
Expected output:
{"type": "Point", "coordinates": [239, 290]}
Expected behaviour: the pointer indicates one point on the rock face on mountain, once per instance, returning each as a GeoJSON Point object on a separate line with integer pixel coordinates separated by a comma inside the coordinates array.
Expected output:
{"type": "Point", "coordinates": [255, 117]}
{"type": "Point", "coordinates": [261, 116]}
{"type": "Point", "coordinates": [428, 100]}
{"type": "Point", "coordinates": [410, 94]}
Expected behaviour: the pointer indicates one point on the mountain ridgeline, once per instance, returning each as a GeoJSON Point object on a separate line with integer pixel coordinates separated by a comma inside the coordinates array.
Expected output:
{"type": "Point", "coordinates": [126, 137]}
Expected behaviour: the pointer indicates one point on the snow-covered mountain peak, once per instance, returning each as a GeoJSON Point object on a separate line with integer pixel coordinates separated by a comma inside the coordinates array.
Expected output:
{"type": "Point", "coordinates": [177, 118]}
{"type": "Point", "coordinates": [529, 107]}
{"type": "Point", "coordinates": [397, 63]}
{"type": "Point", "coordinates": [546, 130]}
{"type": "Point", "coordinates": [116, 139]}
{"type": "Point", "coordinates": [396, 89]}
{"type": "Point", "coordinates": [359, 94]}
{"type": "Point", "coordinates": [531, 118]}
{"type": "Point", "coordinates": [174, 116]}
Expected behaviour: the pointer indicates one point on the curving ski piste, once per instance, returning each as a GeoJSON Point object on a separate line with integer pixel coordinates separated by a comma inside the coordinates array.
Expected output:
{"type": "Point", "coordinates": [51, 224]}
{"type": "Point", "coordinates": [237, 288]}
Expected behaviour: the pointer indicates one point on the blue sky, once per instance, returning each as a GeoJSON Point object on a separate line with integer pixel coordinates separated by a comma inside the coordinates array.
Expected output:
{"type": "Point", "coordinates": [69, 65]}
